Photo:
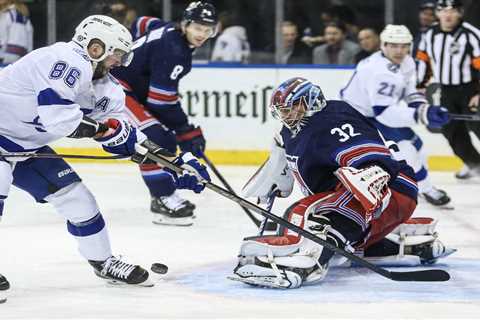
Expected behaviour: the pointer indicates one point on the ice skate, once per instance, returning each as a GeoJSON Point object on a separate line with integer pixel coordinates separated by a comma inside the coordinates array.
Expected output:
{"type": "Point", "coordinates": [4, 286]}
{"type": "Point", "coordinates": [438, 198]}
{"type": "Point", "coordinates": [468, 172]}
{"type": "Point", "coordinates": [172, 210]}
{"type": "Point", "coordinates": [116, 271]}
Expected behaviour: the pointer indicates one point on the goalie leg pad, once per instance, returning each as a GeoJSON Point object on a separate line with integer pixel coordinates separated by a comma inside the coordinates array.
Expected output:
{"type": "Point", "coordinates": [412, 243]}
{"type": "Point", "coordinates": [278, 261]}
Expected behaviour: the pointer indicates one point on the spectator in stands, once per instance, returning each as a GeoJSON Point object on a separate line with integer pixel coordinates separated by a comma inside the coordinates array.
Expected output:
{"type": "Point", "coordinates": [294, 50]}
{"type": "Point", "coordinates": [118, 10]}
{"type": "Point", "coordinates": [426, 19]}
{"type": "Point", "coordinates": [369, 42]}
{"type": "Point", "coordinates": [16, 31]}
{"type": "Point", "coordinates": [336, 50]}
{"type": "Point", "coordinates": [232, 44]}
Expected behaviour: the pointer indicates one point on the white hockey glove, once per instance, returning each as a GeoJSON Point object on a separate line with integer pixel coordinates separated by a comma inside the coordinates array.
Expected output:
{"type": "Point", "coordinates": [369, 186]}
{"type": "Point", "coordinates": [273, 177]}
{"type": "Point", "coordinates": [432, 116]}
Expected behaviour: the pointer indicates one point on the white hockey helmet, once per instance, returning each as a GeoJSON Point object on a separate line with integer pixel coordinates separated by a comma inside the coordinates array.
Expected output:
{"type": "Point", "coordinates": [109, 31]}
{"type": "Point", "coordinates": [398, 34]}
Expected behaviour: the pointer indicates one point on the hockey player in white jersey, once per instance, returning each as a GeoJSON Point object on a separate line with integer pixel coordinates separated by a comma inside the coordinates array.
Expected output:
{"type": "Point", "coordinates": [383, 88]}
{"type": "Point", "coordinates": [49, 94]}
{"type": "Point", "coordinates": [16, 31]}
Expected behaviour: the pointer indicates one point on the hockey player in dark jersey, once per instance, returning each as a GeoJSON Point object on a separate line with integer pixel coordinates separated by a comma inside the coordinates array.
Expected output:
{"type": "Point", "coordinates": [162, 57]}
{"type": "Point", "coordinates": [356, 194]}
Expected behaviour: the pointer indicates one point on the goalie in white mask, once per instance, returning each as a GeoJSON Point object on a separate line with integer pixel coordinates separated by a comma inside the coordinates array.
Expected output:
{"type": "Point", "coordinates": [355, 192]}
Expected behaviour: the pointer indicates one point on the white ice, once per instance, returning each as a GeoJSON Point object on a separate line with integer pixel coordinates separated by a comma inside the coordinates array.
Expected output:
{"type": "Point", "coordinates": [50, 279]}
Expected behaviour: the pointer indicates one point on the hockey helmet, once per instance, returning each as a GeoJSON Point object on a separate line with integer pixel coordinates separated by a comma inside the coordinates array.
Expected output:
{"type": "Point", "coordinates": [398, 34]}
{"type": "Point", "coordinates": [443, 4]}
{"type": "Point", "coordinates": [293, 94]}
{"type": "Point", "coordinates": [109, 31]}
{"type": "Point", "coordinates": [202, 13]}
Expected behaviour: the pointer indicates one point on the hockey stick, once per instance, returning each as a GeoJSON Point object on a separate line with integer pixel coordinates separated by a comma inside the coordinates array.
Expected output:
{"type": "Point", "coordinates": [270, 226]}
{"type": "Point", "coordinates": [56, 156]}
{"type": "Point", "coordinates": [420, 275]}
{"type": "Point", "coordinates": [271, 200]}
{"type": "Point", "coordinates": [464, 117]}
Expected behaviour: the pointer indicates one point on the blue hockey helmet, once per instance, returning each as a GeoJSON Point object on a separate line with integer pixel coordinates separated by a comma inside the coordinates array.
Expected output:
{"type": "Point", "coordinates": [201, 12]}
{"type": "Point", "coordinates": [294, 100]}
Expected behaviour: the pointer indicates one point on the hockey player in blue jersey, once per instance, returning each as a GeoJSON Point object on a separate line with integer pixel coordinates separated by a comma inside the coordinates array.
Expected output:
{"type": "Point", "coordinates": [356, 193]}
{"type": "Point", "coordinates": [65, 90]}
{"type": "Point", "coordinates": [162, 57]}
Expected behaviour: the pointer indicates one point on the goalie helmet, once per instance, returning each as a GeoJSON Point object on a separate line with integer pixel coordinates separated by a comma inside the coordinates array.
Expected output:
{"type": "Point", "coordinates": [294, 100]}
{"type": "Point", "coordinates": [398, 34]}
{"type": "Point", "coordinates": [110, 32]}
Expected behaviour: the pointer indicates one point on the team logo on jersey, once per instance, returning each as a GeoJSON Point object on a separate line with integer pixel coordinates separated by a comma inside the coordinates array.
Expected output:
{"type": "Point", "coordinates": [38, 125]}
{"type": "Point", "coordinates": [454, 48]}
{"type": "Point", "coordinates": [393, 67]}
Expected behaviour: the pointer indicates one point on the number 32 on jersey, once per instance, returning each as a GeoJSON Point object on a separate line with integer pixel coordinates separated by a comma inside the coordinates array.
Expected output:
{"type": "Point", "coordinates": [345, 132]}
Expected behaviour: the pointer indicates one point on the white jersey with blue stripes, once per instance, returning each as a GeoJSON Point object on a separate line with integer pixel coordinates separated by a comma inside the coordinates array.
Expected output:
{"type": "Point", "coordinates": [382, 89]}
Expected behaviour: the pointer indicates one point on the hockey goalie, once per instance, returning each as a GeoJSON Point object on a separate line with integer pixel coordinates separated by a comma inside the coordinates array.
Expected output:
{"type": "Point", "coordinates": [357, 196]}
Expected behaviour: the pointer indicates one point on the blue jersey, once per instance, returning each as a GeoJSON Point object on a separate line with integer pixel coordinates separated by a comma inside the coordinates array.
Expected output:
{"type": "Point", "coordinates": [161, 58]}
{"type": "Point", "coordinates": [339, 136]}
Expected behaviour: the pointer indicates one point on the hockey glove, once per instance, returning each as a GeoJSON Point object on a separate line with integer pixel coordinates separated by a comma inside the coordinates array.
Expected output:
{"type": "Point", "coordinates": [432, 116]}
{"type": "Point", "coordinates": [120, 138]}
{"type": "Point", "coordinates": [369, 186]}
{"type": "Point", "coordinates": [88, 128]}
{"type": "Point", "coordinates": [190, 139]}
{"type": "Point", "coordinates": [188, 179]}
{"type": "Point", "coordinates": [194, 173]}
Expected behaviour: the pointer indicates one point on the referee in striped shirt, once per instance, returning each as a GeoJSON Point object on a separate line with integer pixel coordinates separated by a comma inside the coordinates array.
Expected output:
{"type": "Point", "coordinates": [450, 52]}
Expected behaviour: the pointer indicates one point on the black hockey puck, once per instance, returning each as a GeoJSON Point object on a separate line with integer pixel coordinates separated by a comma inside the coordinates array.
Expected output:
{"type": "Point", "coordinates": [159, 268]}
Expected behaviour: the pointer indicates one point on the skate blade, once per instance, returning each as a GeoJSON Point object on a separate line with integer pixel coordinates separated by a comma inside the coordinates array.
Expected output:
{"type": "Point", "coordinates": [257, 282]}
{"type": "Point", "coordinates": [147, 283]}
{"type": "Point", "coordinates": [166, 221]}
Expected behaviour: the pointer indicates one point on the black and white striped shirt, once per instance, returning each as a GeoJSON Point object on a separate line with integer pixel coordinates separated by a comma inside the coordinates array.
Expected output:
{"type": "Point", "coordinates": [452, 58]}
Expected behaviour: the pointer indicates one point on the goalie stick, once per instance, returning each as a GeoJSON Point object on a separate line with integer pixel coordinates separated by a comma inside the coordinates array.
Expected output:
{"type": "Point", "coordinates": [269, 226]}
{"type": "Point", "coordinates": [419, 275]}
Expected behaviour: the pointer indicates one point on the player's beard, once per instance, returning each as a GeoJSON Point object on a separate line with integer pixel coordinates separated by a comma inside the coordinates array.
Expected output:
{"type": "Point", "coordinates": [100, 71]}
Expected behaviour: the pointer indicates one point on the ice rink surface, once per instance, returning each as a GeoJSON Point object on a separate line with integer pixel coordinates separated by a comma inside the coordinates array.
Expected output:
{"type": "Point", "coordinates": [51, 280]}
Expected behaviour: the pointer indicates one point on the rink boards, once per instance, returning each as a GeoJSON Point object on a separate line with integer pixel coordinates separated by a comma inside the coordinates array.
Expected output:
{"type": "Point", "coordinates": [230, 103]}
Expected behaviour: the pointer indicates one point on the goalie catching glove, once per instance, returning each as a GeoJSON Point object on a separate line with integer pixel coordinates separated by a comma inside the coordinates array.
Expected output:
{"type": "Point", "coordinates": [369, 186]}
{"type": "Point", "coordinates": [192, 178]}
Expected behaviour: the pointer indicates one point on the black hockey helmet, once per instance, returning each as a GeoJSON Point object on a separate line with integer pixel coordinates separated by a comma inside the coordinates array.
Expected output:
{"type": "Point", "coordinates": [201, 12]}
{"type": "Point", "coordinates": [442, 4]}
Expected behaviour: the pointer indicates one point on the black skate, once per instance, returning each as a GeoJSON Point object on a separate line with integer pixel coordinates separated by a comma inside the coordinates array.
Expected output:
{"type": "Point", "coordinates": [117, 271]}
{"type": "Point", "coordinates": [430, 252]}
{"type": "Point", "coordinates": [4, 286]}
{"type": "Point", "coordinates": [438, 198]}
{"type": "Point", "coordinates": [468, 172]}
{"type": "Point", "coordinates": [172, 210]}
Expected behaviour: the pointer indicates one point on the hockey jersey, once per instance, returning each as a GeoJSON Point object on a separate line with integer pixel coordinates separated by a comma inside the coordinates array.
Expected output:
{"type": "Point", "coordinates": [44, 95]}
{"type": "Point", "coordinates": [16, 35]}
{"type": "Point", "coordinates": [161, 58]}
{"type": "Point", "coordinates": [339, 136]}
{"type": "Point", "coordinates": [384, 90]}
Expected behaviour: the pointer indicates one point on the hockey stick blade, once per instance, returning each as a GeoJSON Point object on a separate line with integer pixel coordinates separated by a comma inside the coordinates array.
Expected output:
{"type": "Point", "coordinates": [424, 275]}
{"type": "Point", "coordinates": [421, 275]}
{"type": "Point", "coordinates": [269, 226]}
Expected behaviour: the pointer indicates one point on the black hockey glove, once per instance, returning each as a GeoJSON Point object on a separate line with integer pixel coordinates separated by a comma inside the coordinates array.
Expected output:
{"type": "Point", "coordinates": [88, 128]}
{"type": "Point", "coordinates": [151, 147]}
{"type": "Point", "coordinates": [190, 139]}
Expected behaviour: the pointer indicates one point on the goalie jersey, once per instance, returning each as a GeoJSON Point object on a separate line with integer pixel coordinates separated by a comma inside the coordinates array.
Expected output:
{"type": "Point", "coordinates": [339, 136]}
{"type": "Point", "coordinates": [161, 58]}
